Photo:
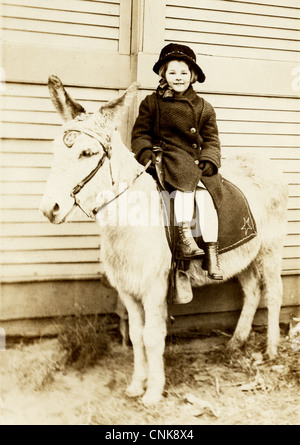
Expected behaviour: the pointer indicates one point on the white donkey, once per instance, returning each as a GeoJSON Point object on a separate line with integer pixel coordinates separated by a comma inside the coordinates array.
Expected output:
{"type": "Point", "coordinates": [91, 159]}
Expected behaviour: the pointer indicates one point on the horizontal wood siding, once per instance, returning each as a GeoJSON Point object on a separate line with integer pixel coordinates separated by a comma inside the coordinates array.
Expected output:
{"type": "Point", "coordinates": [235, 29]}
{"type": "Point", "coordinates": [269, 126]}
{"type": "Point", "coordinates": [30, 246]}
{"type": "Point", "coordinates": [81, 41]}
{"type": "Point", "coordinates": [262, 31]}
{"type": "Point", "coordinates": [248, 49]}
{"type": "Point", "coordinates": [90, 24]}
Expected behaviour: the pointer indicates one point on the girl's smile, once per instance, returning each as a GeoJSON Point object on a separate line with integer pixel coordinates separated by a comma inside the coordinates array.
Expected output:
{"type": "Point", "coordinates": [178, 75]}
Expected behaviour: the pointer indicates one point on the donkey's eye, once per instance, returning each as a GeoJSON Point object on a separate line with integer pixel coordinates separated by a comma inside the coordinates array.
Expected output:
{"type": "Point", "coordinates": [87, 153]}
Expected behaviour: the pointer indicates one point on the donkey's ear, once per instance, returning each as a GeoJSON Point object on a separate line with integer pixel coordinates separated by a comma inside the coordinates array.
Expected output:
{"type": "Point", "coordinates": [64, 104]}
{"type": "Point", "coordinates": [115, 106]}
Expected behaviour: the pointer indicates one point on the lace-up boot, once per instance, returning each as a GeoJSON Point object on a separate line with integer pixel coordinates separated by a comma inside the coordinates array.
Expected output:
{"type": "Point", "coordinates": [187, 247]}
{"type": "Point", "coordinates": [212, 261]}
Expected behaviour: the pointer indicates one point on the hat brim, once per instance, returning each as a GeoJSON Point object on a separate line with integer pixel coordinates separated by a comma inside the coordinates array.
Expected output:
{"type": "Point", "coordinates": [188, 60]}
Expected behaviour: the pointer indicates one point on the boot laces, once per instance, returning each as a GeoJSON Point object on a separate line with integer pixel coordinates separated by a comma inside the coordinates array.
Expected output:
{"type": "Point", "coordinates": [217, 255]}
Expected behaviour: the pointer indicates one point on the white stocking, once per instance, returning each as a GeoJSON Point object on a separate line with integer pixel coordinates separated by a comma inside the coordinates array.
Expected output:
{"type": "Point", "coordinates": [184, 206]}
{"type": "Point", "coordinates": [207, 213]}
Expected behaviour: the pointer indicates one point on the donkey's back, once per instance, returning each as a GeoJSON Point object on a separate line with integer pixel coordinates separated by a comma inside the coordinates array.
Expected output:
{"type": "Point", "coordinates": [263, 184]}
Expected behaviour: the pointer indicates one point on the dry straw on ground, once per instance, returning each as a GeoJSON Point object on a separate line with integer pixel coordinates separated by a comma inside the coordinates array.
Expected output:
{"type": "Point", "coordinates": [67, 380]}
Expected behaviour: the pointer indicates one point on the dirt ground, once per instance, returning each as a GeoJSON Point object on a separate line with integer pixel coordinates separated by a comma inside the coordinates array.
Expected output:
{"type": "Point", "coordinates": [203, 385]}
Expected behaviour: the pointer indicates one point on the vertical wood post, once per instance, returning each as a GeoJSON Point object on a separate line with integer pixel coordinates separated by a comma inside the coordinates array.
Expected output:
{"type": "Point", "coordinates": [125, 27]}
{"type": "Point", "coordinates": [154, 26]}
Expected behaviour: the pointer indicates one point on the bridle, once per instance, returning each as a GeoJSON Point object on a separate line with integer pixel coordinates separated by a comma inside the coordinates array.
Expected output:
{"type": "Point", "coordinates": [106, 154]}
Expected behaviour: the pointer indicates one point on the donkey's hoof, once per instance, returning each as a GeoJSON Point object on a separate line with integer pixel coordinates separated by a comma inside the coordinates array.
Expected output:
{"type": "Point", "coordinates": [234, 345]}
{"type": "Point", "coordinates": [271, 352]}
{"type": "Point", "coordinates": [135, 389]}
{"type": "Point", "coordinates": [151, 399]}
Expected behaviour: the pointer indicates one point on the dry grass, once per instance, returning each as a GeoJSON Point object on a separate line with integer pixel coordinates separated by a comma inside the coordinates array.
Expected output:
{"type": "Point", "coordinates": [84, 340]}
{"type": "Point", "coordinates": [203, 384]}
{"type": "Point", "coordinates": [248, 364]}
{"type": "Point", "coordinates": [271, 375]}
{"type": "Point", "coordinates": [36, 373]}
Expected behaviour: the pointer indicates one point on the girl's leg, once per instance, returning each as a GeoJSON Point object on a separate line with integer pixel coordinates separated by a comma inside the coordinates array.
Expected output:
{"type": "Point", "coordinates": [184, 206]}
{"type": "Point", "coordinates": [208, 217]}
{"type": "Point", "coordinates": [184, 210]}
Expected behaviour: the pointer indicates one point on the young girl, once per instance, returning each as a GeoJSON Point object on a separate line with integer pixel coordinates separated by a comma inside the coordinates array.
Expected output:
{"type": "Point", "coordinates": [183, 126]}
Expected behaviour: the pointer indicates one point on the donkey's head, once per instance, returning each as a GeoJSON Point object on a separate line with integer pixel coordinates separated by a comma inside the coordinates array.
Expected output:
{"type": "Point", "coordinates": [82, 152]}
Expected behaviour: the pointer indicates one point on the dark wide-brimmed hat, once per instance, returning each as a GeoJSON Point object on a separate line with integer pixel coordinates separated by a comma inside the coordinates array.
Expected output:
{"type": "Point", "coordinates": [179, 52]}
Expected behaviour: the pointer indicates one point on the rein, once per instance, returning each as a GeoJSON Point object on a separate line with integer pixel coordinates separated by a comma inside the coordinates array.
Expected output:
{"type": "Point", "coordinates": [81, 184]}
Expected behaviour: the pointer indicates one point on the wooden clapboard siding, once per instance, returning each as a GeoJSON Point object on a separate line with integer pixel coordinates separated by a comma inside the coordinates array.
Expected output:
{"type": "Point", "coordinates": [53, 37]}
{"type": "Point", "coordinates": [274, 132]}
{"type": "Point", "coordinates": [30, 246]}
{"type": "Point", "coordinates": [56, 271]}
{"type": "Point", "coordinates": [254, 44]}
{"type": "Point", "coordinates": [279, 140]}
{"type": "Point", "coordinates": [46, 243]}
{"type": "Point", "coordinates": [255, 49]}
{"type": "Point", "coordinates": [47, 256]}
{"type": "Point", "coordinates": [282, 4]}
{"type": "Point", "coordinates": [92, 24]}
{"type": "Point", "coordinates": [29, 229]}
{"type": "Point", "coordinates": [28, 215]}
{"type": "Point", "coordinates": [259, 125]}
{"type": "Point", "coordinates": [235, 29]}
{"type": "Point", "coordinates": [28, 114]}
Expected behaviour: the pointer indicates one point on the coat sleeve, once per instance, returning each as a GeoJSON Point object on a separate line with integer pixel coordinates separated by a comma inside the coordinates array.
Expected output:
{"type": "Point", "coordinates": [142, 133]}
{"type": "Point", "coordinates": [211, 147]}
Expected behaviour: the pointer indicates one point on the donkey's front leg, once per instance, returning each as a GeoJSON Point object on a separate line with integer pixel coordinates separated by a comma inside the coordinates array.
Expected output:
{"type": "Point", "coordinates": [136, 327]}
{"type": "Point", "coordinates": [154, 340]}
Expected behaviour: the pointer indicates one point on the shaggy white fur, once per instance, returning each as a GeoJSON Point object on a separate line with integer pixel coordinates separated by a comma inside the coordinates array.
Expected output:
{"type": "Point", "coordinates": [134, 249]}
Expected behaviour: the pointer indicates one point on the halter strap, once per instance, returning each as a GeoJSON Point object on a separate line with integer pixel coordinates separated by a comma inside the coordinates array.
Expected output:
{"type": "Point", "coordinates": [106, 153]}
{"type": "Point", "coordinates": [96, 209]}
{"type": "Point", "coordinates": [96, 136]}
{"type": "Point", "coordinates": [82, 183]}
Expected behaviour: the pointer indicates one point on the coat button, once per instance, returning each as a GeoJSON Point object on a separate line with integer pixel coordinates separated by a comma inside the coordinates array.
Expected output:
{"type": "Point", "coordinates": [193, 130]}
{"type": "Point", "coordinates": [194, 145]}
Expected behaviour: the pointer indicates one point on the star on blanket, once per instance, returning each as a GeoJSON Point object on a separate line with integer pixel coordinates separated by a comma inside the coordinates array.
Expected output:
{"type": "Point", "coordinates": [247, 226]}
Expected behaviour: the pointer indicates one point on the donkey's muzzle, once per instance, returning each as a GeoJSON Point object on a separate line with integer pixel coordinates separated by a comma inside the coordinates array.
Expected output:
{"type": "Point", "coordinates": [51, 212]}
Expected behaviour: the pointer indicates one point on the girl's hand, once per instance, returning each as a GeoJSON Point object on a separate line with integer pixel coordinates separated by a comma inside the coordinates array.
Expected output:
{"type": "Point", "coordinates": [207, 168]}
{"type": "Point", "coordinates": [147, 156]}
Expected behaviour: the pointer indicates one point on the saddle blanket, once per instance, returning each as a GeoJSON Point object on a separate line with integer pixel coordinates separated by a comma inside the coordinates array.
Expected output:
{"type": "Point", "coordinates": [236, 223]}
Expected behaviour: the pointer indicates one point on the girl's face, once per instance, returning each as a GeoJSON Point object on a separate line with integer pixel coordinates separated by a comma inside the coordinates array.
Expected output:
{"type": "Point", "coordinates": [178, 75]}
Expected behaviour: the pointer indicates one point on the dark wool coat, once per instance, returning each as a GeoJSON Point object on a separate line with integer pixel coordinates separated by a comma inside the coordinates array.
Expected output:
{"type": "Point", "coordinates": [185, 127]}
